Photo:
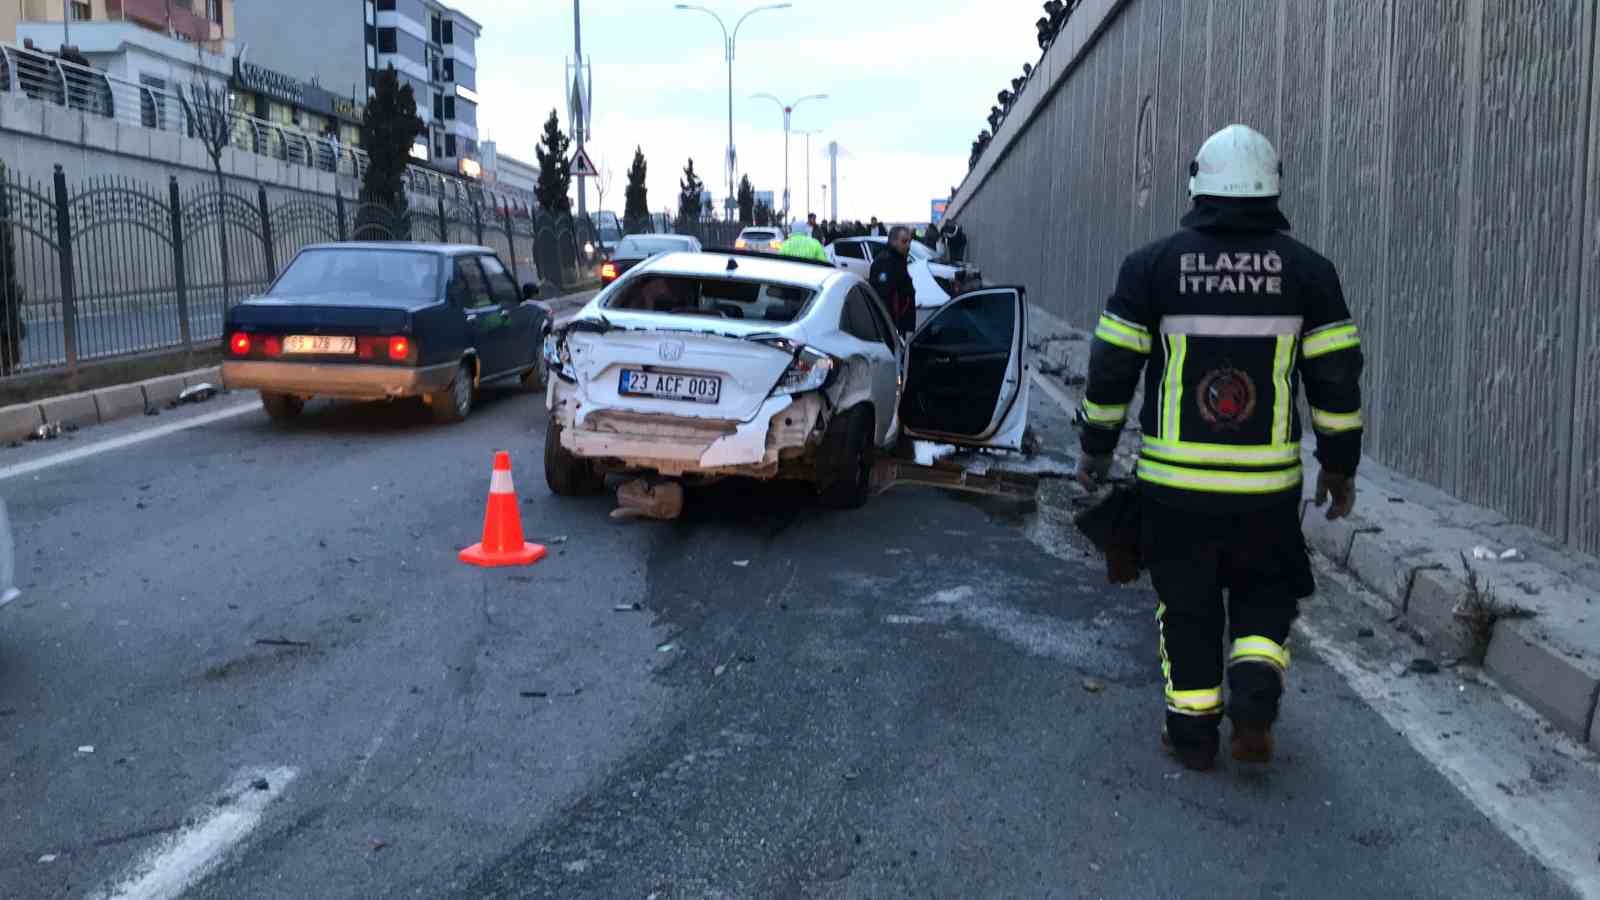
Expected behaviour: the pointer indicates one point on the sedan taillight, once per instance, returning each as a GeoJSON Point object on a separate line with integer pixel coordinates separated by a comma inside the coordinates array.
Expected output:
{"type": "Point", "coordinates": [608, 272]}
{"type": "Point", "coordinates": [239, 344]}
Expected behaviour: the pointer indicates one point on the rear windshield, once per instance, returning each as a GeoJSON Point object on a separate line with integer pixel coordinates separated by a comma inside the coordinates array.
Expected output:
{"type": "Point", "coordinates": [715, 298]}
{"type": "Point", "coordinates": [644, 246]}
{"type": "Point", "coordinates": [760, 235]}
{"type": "Point", "coordinates": [361, 276]}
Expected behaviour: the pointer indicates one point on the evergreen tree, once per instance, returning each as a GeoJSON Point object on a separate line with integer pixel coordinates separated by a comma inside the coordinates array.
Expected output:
{"type": "Point", "coordinates": [689, 190]}
{"type": "Point", "coordinates": [747, 201]}
{"type": "Point", "coordinates": [764, 215]}
{"type": "Point", "coordinates": [636, 205]}
{"type": "Point", "coordinates": [555, 169]}
{"type": "Point", "coordinates": [388, 132]}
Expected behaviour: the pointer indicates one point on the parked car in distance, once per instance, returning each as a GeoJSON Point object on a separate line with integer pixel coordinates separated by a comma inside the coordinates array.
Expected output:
{"type": "Point", "coordinates": [636, 248]}
{"type": "Point", "coordinates": [760, 240]}
{"type": "Point", "coordinates": [716, 364]}
{"type": "Point", "coordinates": [382, 321]}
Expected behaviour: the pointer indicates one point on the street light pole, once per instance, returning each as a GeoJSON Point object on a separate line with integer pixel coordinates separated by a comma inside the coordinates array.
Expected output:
{"type": "Point", "coordinates": [808, 133]}
{"type": "Point", "coordinates": [728, 42]}
{"type": "Point", "coordinates": [788, 110]}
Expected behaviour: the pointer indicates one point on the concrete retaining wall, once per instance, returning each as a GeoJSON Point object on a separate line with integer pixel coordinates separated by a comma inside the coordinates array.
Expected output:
{"type": "Point", "coordinates": [1445, 153]}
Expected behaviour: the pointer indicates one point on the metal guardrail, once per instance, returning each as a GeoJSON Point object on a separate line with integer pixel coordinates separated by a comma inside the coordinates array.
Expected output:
{"type": "Point", "coordinates": [50, 79]}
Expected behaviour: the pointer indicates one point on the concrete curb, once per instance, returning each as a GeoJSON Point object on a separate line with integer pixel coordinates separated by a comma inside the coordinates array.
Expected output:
{"type": "Point", "coordinates": [102, 405]}
{"type": "Point", "coordinates": [1421, 563]}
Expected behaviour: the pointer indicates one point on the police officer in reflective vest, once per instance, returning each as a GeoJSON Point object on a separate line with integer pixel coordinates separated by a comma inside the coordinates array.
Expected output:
{"type": "Point", "coordinates": [1225, 320]}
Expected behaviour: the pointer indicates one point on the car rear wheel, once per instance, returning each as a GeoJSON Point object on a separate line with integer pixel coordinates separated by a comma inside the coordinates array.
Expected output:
{"type": "Point", "coordinates": [566, 474]}
{"type": "Point", "coordinates": [845, 460]}
{"type": "Point", "coordinates": [452, 404]}
{"type": "Point", "coordinates": [282, 407]}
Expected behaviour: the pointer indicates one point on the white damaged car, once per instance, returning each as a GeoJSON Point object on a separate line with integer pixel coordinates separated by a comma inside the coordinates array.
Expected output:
{"type": "Point", "coordinates": [707, 365]}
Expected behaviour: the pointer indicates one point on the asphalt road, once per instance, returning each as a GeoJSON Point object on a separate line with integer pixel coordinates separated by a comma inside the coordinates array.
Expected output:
{"type": "Point", "coordinates": [247, 664]}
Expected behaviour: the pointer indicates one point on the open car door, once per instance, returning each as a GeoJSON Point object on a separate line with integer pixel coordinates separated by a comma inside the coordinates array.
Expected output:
{"type": "Point", "coordinates": [964, 377]}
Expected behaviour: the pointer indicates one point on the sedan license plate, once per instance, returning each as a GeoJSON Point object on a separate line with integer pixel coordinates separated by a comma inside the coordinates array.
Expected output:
{"type": "Point", "coordinates": [669, 386]}
{"type": "Point", "coordinates": [318, 343]}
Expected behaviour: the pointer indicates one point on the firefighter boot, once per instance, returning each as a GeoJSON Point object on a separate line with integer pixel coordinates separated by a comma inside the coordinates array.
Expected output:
{"type": "Point", "coordinates": [1254, 689]}
{"type": "Point", "coordinates": [1193, 740]}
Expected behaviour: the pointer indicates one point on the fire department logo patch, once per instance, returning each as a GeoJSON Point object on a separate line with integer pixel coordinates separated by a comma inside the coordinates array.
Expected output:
{"type": "Point", "coordinates": [1227, 398]}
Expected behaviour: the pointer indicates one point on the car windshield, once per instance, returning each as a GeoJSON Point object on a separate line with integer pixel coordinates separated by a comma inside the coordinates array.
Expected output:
{"type": "Point", "coordinates": [921, 251]}
{"type": "Point", "coordinates": [718, 298]}
{"type": "Point", "coordinates": [648, 246]}
{"type": "Point", "coordinates": [361, 276]}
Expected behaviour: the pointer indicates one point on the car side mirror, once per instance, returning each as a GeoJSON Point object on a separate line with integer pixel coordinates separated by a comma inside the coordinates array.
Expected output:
{"type": "Point", "coordinates": [530, 291]}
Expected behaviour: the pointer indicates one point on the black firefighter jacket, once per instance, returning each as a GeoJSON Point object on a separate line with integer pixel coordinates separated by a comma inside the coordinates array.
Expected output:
{"type": "Point", "coordinates": [1225, 320]}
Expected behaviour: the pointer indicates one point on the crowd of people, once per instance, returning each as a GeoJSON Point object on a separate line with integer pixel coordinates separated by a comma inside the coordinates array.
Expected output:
{"type": "Point", "coordinates": [1056, 14]}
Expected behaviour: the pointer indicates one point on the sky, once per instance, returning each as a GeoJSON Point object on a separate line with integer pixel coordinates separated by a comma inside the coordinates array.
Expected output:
{"type": "Point", "coordinates": [908, 86]}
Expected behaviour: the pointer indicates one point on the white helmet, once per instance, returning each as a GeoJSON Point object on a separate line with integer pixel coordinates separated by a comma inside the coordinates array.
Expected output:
{"type": "Point", "coordinates": [1235, 162]}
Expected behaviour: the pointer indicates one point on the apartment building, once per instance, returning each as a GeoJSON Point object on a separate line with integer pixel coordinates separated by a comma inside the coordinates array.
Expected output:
{"type": "Point", "coordinates": [206, 22]}
{"type": "Point", "coordinates": [344, 44]}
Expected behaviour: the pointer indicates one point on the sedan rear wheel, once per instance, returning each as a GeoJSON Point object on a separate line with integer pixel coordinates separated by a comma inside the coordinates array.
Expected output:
{"type": "Point", "coordinates": [566, 474]}
{"type": "Point", "coordinates": [846, 460]}
{"type": "Point", "coordinates": [282, 407]}
{"type": "Point", "coordinates": [452, 404]}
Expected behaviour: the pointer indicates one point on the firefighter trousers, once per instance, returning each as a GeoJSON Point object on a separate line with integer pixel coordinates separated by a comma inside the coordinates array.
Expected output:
{"type": "Point", "coordinates": [1229, 587]}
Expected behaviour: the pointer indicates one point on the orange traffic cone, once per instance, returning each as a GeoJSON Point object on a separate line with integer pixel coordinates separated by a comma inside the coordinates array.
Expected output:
{"type": "Point", "coordinates": [502, 543]}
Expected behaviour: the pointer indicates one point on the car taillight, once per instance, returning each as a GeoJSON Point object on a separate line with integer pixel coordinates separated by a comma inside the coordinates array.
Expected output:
{"type": "Point", "coordinates": [740, 244]}
{"type": "Point", "coordinates": [808, 371]}
{"type": "Point", "coordinates": [775, 245]}
{"type": "Point", "coordinates": [272, 346]}
{"type": "Point", "coordinates": [239, 344]}
{"type": "Point", "coordinates": [608, 272]}
{"type": "Point", "coordinates": [399, 348]}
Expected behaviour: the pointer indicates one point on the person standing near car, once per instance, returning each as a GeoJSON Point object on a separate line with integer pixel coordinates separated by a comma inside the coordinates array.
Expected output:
{"type": "Point", "coordinates": [1225, 320]}
{"type": "Point", "coordinates": [891, 278]}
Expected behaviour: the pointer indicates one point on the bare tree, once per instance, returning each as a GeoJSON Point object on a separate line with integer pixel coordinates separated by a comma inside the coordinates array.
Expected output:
{"type": "Point", "coordinates": [602, 183]}
{"type": "Point", "coordinates": [208, 113]}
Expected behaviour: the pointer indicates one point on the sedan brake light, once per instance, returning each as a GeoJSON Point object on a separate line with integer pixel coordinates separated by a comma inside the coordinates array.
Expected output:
{"type": "Point", "coordinates": [272, 346]}
{"type": "Point", "coordinates": [239, 344]}
{"type": "Point", "coordinates": [399, 348]}
{"type": "Point", "coordinates": [740, 244]}
{"type": "Point", "coordinates": [608, 272]}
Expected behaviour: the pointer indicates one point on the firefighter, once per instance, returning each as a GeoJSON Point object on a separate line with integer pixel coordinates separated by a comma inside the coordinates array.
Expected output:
{"type": "Point", "coordinates": [1225, 320]}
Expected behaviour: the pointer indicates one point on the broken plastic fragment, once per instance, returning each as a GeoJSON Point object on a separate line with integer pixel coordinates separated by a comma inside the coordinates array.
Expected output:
{"type": "Point", "coordinates": [1512, 554]}
{"type": "Point", "coordinates": [86, 748]}
{"type": "Point", "coordinates": [741, 563]}
{"type": "Point", "coordinates": [1484, 553]}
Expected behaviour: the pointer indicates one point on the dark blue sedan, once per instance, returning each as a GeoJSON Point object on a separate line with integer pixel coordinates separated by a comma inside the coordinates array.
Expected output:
{"type": "Point", "coordinates": [382, 321]}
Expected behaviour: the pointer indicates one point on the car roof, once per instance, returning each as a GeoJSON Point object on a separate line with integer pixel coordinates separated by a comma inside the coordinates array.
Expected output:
{"type": "Point", "coordinates": [414, 247]}
{"type": "Point", "coordinates": [652, 236]}
{"type": "Point", "coordinates": [771, 228]}
{"type": "Point", "coordinates": [714, 264]}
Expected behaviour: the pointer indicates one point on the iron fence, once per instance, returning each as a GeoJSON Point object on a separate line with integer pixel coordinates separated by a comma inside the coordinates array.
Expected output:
{"type": "Point", "coordinates": [111, 267]}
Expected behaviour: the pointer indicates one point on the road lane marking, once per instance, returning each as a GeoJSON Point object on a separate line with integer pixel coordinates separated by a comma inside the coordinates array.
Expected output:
{"type": "Point", "coordinates": [127, 440]}
{"type": "Point", "coordinates": [192, 853]}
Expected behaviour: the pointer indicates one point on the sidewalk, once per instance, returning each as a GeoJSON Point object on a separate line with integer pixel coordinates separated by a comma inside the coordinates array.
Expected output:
{"type": "Point", "coordinates": [107, 404]}
{"type": "Point", "coordinates": [1461, 580]}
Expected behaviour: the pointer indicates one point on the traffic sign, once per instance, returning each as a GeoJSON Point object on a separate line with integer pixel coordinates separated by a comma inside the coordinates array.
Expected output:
{"type": "Point", "coordinates": [582, 166]}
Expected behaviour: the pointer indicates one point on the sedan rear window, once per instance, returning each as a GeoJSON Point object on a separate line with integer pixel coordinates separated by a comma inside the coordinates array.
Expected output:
{"type": "Point", "coordinates": [361, 276]}
{"type": "Point", "coordinates": [760, 235]}
{"type": "Point", "coordinates": [717, 298]}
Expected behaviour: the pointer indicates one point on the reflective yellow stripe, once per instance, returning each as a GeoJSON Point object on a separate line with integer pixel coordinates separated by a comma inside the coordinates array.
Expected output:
{"type": "Point", "coordinates": [1282, 454]}
{"type": "Point", "coordinates": [1122, 333]}
{"type": "Point", "coordinates": [1219, 482]}
{"type": "Point", "coordinates": [1282, 363]}
{"type": "Point", "coordinates": [1107, 416]}
{"type": "Point", "coordinates": [1203, 702]}
{"type": "Point", "coordinates": [1334, 423]}
{"type": "Point", "coordinates": [1331, 339]}
{"type": "Point", "coordinates": [1260, 648]}
{"type": "Point", "coordinates": [1161, 641]}
{"type": "Point", "coordinates": [1172, 387]}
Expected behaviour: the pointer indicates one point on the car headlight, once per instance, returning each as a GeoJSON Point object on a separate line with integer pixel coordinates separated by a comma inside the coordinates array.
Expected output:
{"type": "Point", "coordinates": [809, 371]}
{"type": "Point", "coordinates": [588, 248]}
